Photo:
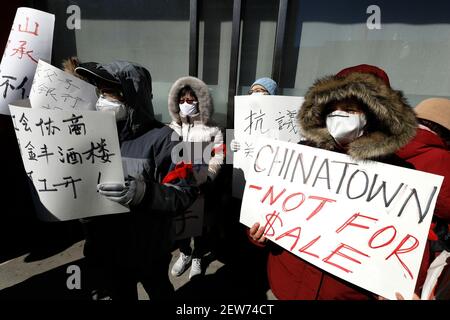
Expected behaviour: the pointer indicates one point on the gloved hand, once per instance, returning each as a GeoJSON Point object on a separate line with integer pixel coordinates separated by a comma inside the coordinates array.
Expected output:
{"type": "Point", "coordinates": [235, 145]}
{"type": "Point", "coordinates": [130, 194]}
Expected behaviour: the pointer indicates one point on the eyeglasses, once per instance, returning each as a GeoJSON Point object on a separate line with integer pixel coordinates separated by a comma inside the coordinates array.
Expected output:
{"type": "Point", "coordinates": [190, 101]}
{"type": "Point", "coordinates": [258, 90]}
{"type": "Point", "coordinates": [109, 92]}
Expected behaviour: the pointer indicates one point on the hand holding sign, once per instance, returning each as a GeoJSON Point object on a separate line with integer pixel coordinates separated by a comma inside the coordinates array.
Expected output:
{"type": "Point", "coordinates": [129, 194]}
{"type": "Point", "coordinates": [66, 154]}
{"type": "Point", "coordinates": [256, 232]}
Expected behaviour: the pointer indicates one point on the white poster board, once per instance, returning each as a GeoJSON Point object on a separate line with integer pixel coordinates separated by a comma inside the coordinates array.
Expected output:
{"type": "Point", "coordinates": [261, 116]}
{"type": "Point", "coordinates": [55, 89]}
{"type": "Point", "coordinates": [365, 222]}
{"type": "Point", "coordinates": [66, 154]}
{"type": "Point", "coordinates": [30, 39]}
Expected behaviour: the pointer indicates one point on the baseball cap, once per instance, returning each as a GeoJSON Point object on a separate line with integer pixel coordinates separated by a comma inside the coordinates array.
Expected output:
{"type": "Point", "coordinates": [94, 72]}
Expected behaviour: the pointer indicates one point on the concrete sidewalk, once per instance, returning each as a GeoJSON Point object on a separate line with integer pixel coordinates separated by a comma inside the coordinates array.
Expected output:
{"type": "Point", "coordinates": [46, 278]}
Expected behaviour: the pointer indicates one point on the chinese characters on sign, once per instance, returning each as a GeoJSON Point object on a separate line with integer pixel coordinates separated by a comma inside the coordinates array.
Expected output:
{"type": "Point", "coordinates": [30, 39]}
{"type": "Point", "coordinates": [261, 116]}
{"type": "Point", "coordinates": [65, 153]}
{"type": "Point", "coordinates": [53, 88]}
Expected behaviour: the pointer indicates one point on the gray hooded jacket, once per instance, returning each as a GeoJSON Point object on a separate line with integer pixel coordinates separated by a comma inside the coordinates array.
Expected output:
{"type": "Point", "coordinates": [135, 240]}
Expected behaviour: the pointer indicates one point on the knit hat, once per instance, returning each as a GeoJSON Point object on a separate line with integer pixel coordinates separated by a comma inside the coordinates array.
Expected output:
{"type": "Point", "coordinates": [436, 110]}
{"type": "Point", "coordinates": [268, 84]}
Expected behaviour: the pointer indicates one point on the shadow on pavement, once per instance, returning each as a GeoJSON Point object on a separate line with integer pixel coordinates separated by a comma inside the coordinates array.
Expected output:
{"type": "Point", "coordinates": [243, 276]}
{"type": "Point", "coordinates": [50, 285]}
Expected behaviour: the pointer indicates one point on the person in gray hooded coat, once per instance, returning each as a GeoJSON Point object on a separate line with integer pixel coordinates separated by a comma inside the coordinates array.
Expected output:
{"type": "Point", "coordinates": [126, 248]}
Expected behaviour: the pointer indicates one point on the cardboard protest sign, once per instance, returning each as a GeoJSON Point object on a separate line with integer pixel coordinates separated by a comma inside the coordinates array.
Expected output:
{"type": "Point", "coordinates": [261, 116]}
{"type": "Point", "coordinates": [365, 222]}
{"type": "Point", "coordinates": [30, 39]}
{"type": "Point", "coordinates": [55, 89]}
{"type": "Point", "coordinates": [66, 154]}
{"type": "Point", "coordinates": [190, 223]}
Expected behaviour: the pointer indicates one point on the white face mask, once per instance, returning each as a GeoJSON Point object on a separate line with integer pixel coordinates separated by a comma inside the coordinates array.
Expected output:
{"type": "Point", "coordinates": [188, 109]}
{"type": "Point", "coordinates": [258, 94]}
{"type": "Point", "coordinates": [345, 127]}
{"type": "Point", "coordinates": [120, 110]}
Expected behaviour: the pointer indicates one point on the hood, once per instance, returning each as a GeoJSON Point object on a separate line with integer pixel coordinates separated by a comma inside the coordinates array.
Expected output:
{"type": "Point", "coordinates": [393, 120]}
{"type": "Point", "coordinates": [136, 84]}
{"type": "Point", "coordinates": [205, 104]}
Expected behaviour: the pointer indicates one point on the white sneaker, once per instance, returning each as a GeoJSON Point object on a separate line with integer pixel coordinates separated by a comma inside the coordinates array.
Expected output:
{"type": "Point", "coordinates": [196, 268]}
{"type": "Point", "coordinates": [180, 265]}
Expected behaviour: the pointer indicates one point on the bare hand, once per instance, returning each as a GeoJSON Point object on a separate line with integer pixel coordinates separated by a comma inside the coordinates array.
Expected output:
{"type": "Point", "coordinates": [235, 146]}
{"type": "Point", "coordinates": [256, 232]}
{"type": "Point", "coordinates": [400, 297]}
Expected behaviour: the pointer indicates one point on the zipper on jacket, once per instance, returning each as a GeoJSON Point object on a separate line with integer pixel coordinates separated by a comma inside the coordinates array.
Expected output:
{"type": "Point", "coordinates": [185, 131]}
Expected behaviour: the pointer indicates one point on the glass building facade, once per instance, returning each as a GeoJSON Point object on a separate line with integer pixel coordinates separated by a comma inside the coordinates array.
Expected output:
{"type": "Point", "coordinates": [230, 43]}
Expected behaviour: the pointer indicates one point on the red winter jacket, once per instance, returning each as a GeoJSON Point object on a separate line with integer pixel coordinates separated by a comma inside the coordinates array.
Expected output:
{"type": "Point", "coordinates": [292, 278]}
{"type": "Point", "coordinates": [427, 152]}
{"type": "Point", "coordinates": [392, 124]}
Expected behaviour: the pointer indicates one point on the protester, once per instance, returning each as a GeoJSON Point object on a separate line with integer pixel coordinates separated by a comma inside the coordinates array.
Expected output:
{"type": "Point", "coordinates": [354, 112]}
{"type": "Point", "coordinates": [191, 108]}
{"type": "Point", "coordinates": [122, 249]}
{"type": "Point", "coordinates": [262, 86]}
{"type": "Point", "coordinates": [256, 257]}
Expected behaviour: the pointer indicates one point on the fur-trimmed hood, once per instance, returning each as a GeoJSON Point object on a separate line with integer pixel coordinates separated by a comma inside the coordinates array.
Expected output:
{"type": "Point", "coordinates": [205, 103]}
{"type": "Point", "coordinates": [393, 120]}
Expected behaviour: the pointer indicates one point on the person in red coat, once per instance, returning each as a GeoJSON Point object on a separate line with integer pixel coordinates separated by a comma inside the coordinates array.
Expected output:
{"type": "Point", "coordinates": [354, 112]}
{"type": "Point", "coordinates": [429, 151]}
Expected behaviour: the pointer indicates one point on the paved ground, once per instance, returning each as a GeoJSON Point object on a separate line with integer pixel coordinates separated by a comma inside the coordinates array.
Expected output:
{"type": "Point", "coordinates": [46, 279]}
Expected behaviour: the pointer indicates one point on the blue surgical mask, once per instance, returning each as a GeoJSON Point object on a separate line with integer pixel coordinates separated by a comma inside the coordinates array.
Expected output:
{"type": "Point", "coordinates": [187, 109]}
{"type": "Point", "coordinates": [120, 110]}
{"type": "Point", "coordinates": [345, 127]}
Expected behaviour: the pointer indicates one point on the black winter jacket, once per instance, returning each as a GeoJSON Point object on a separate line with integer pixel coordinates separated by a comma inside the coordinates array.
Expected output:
{"type": "Point", "coordinates": [134, 240]}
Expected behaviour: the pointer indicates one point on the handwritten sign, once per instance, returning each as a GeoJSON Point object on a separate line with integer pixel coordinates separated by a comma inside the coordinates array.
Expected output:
{"type": "Point", "coordinates": [66, 154]}
{"type": "Point", "coordinates": [30, 39]}
{"type": "Point", "coordinates": [365, 222]}
{"type": "Point", "coordinates": [55, 89]}
{"type": "Point", "coordinates": [261, 116]}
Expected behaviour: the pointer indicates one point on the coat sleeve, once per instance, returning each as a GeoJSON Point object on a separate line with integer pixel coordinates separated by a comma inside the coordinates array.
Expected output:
{"type": "Point", "coordinates": [441, 167]}
{"type": "Point", "coordinates": [173, 195]}
{"type": "Point", "coordinates": [217, 154]}
{"type": "Point", "coordinates": [174, 198]}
